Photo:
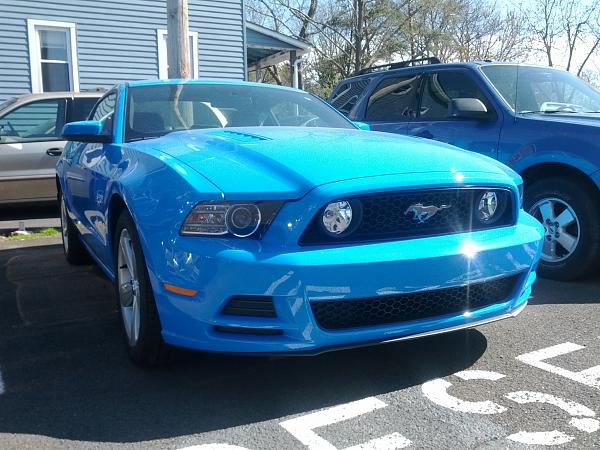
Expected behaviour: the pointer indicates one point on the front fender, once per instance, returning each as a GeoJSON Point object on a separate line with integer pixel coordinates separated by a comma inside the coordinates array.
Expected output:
{"type": "Point", "coordinates": [159, 194]}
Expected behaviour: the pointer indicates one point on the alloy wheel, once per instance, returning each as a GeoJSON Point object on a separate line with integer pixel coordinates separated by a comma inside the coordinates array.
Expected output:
{"type": "Point", "coordinates": [562, 229]}
{"type": "Point", "coordinates": [129, 287]}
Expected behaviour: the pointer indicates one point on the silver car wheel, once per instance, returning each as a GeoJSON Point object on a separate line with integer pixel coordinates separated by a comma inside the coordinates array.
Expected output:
{"type": "Point", "coordinates": [64, 225]}
{"type": "Point", "coordinates": [129, 287]}
{"type": "Point", "coordinates": [561, 226]}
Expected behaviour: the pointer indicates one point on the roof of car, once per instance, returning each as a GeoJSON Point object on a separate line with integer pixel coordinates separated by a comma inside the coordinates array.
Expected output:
{"type": "Point", "coordinates": [206, 82]}
{"type": "Point", "coordinates": [50, 95]}
{"type": "Point", "coordinates": [430, 67]}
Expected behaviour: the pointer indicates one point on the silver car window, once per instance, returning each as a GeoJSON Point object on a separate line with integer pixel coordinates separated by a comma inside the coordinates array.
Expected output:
{"type": "Point", "coordinates": [33, 122]}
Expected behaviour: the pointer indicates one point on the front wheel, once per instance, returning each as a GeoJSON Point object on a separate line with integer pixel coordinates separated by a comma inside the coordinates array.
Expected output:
{"type": "Point", "coordinates": [571, 220]}
{"type": "Point", "coordinates": [139, 316]}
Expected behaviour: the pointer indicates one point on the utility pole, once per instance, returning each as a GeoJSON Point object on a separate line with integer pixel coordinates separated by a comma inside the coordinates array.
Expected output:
{"type": "Point", "coordinates": [178, 39]}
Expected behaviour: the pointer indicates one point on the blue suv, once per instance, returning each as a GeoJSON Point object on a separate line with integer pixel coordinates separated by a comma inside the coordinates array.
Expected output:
{"type": "Point", "coordinates": [542, 122]}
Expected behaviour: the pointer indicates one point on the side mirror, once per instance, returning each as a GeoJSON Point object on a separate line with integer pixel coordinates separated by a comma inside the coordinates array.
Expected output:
{"type": "Point", "coordinates": [362, 126]}
{"type": "Point", "coordinates": [85, 131]}
{"type": "Point", "coordinates": [468, 108]}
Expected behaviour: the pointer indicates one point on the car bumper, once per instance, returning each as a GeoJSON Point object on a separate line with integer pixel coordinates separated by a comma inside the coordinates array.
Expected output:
{"type": "Point", "coordinates": [310, 274]}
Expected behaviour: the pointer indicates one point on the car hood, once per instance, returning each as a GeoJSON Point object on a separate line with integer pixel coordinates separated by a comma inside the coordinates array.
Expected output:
{"type": "Point", "coordinates": [588, 119]}
{"type": "Point", "coordinates": [290, 161]}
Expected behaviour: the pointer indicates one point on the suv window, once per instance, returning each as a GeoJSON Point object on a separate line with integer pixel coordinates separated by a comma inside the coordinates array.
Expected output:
{"type": "Point", "coordinates": [394, 99]}
{"type": "Point", "coordinates": [346, 96]}
{"type": "Point", "coordinates": [80, 107]}
{"type": "Point", "coordinates": [36, 121]}
{"type": "Point", "coordinates": [440, 88]}
{"type": "Point", "coordinates": [104, 112]}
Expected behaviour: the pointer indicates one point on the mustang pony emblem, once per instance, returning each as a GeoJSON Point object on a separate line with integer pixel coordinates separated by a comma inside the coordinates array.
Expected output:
{"type": "Point", "coordinates": [424, 213]}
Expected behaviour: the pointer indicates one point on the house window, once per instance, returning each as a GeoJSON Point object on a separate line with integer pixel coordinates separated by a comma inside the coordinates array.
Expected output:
{"type": "Point", "coordinates": [52, 56]}
{"type": "Point", "coordinates": [163, 65]}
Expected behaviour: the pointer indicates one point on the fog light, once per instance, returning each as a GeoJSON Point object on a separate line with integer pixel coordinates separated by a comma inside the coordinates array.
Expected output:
{"type": "Point", "coordinates": [337, 217]}
{"type": "Point", "coordinates": [488, 206]}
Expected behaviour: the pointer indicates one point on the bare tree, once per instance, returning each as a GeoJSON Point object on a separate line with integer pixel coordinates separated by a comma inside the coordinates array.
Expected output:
{"type": "Point", "coordinates": [561, 27]}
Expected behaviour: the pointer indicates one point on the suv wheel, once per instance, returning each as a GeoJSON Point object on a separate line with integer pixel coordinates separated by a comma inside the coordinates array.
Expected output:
{"type": "Point", "coordinates": [571, 220]}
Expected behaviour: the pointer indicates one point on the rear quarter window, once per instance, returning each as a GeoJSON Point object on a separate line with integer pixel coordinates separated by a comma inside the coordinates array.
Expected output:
{"type": "Point", "coordinates": [346, 96]}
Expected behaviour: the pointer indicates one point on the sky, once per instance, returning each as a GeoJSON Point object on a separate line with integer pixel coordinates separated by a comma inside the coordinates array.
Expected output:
{"type": "Point", "coordinates": [560, 55]}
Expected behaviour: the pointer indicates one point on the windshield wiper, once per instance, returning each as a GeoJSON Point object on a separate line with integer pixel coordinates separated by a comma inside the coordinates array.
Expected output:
{"type": "Point", "coordinates": [144, 138]}
{"type": "Point", "coordinates": [554, 111]}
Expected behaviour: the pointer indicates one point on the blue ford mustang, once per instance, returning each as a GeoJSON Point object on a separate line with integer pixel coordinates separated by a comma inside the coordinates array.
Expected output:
{"type": "Point", "coordinates": [238, 217]}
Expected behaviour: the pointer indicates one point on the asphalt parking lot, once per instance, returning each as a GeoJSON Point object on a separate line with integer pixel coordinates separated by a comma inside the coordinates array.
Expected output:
{"type": "Point", "coordinates": [66, 382]}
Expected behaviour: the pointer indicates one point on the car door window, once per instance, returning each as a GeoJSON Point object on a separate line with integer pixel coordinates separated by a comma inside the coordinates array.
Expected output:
{"type": "Point", "coordinates": [104, 112]}
{"type": "Point", "coordinates": [33, 122]}
{"type": "Point", "coordinates": [80, 108]}
{"type": "Point", "coordinates": [394, 99]}
{"type": "Point", "coordinates": [439, 89]}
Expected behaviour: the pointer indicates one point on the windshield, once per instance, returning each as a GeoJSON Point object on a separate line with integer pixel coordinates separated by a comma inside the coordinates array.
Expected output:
{"type": "Point", "coordinates": [154, 111]}
{"type": "Point", "coordinates": [542, 90]}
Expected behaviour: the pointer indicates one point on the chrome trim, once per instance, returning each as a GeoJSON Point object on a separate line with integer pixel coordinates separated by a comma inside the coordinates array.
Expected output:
{"type": "Point", "coordinates": [477, 323]}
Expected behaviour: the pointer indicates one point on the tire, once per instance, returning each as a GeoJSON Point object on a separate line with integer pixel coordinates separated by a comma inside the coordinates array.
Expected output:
{"type": "Point", "coordinates": [135, 299]}
{"type": "Point", "coordinates": [75, 252]}
{"type": "Point", "coordinates": [577, 209]}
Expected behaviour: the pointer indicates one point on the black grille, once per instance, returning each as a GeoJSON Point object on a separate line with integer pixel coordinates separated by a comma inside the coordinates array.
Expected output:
{"type": "Point", "coordinates": [341, 314]}
{"type": "Point", "coordinates": [250, 305]}
{"type": "Point", "coordinates": [390, 216]}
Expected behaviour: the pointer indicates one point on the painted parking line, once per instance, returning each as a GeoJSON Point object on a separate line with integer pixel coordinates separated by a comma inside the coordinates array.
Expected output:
{"type": "Point", "coordinates": [1, 384]}
{"type": "Point", "coordinates": [589, 377]}
{"type": "Point", "coordinates": [302, 427]}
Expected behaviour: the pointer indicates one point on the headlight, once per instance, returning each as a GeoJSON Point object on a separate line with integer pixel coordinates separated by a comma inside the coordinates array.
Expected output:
{"type": "Point", "coordinates": [235, 218]}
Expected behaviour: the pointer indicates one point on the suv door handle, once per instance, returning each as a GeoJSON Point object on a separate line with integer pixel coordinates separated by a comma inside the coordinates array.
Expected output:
{"type": "Point", "coordinates": [56, 151]}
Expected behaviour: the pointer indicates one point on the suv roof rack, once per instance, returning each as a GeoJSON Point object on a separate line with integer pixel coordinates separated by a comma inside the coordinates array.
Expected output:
{"type": "Point", "coordinates": [400, 64]}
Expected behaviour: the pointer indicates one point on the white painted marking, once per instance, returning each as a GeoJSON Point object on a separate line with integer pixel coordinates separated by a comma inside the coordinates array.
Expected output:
{"type": "Point", "coordinates": [585, 424]}
{"type": "Point", "coordinates": [541, 438]}
{"type": "Point", "coordinates": [1, 384]}
{"type": "Point", "coordinates": [388, 442]}
{"type": "Point", "coordinates": [479, 375]}
{"type": "Point", "coordinates": [589, 377]}
{"type": "Point", "coordinates": [302, 427]}
{"type": "Point", "coordinates": [554, 437]}
{"type": "Point", "coordinates": [214, 447]}
{"type": "Point", "coordinates": [436, 391]}
{"type": "Point", "coordinates": [573, 408]}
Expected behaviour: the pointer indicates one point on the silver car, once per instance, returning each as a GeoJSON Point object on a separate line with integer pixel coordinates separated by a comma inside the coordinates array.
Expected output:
{"type": "Point", "coordinates": [30, 142]}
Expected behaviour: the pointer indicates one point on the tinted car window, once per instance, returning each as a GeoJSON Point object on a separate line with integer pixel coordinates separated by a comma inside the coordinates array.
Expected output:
{"type": "Point", "coordinates": [346, 96]}
{"type": "Point", "coordinates": [80, 108]}
{"type": "Point", "coordinates": [35, 121]}
{"type": "Point", "coordinates": [104, 112]}
{"type": "Point", "coordinates": [394, 99]}
{"type": "Point", "coordinates": [440, 88]}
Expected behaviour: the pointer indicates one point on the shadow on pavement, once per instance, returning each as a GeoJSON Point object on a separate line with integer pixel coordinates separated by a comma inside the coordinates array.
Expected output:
{"type": "Point", "coordinates": [67, 375]}
{"type": "Point", "coordinates": [573, 292]}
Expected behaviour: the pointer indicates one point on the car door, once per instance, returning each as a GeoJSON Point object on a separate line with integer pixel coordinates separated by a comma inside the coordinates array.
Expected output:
{"type": "Point", "coordinates": [392, 104]}
{"type": "Point", "coordinates": [433, 120]}
{"type": "Point", "coordinates": [87, 169]}
{"type": "Point", "coordinates": [30, 144]}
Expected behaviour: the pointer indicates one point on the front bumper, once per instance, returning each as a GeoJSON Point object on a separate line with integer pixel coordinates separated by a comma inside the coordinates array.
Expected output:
{"type": "Point", "coordinates": [293, 278]}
